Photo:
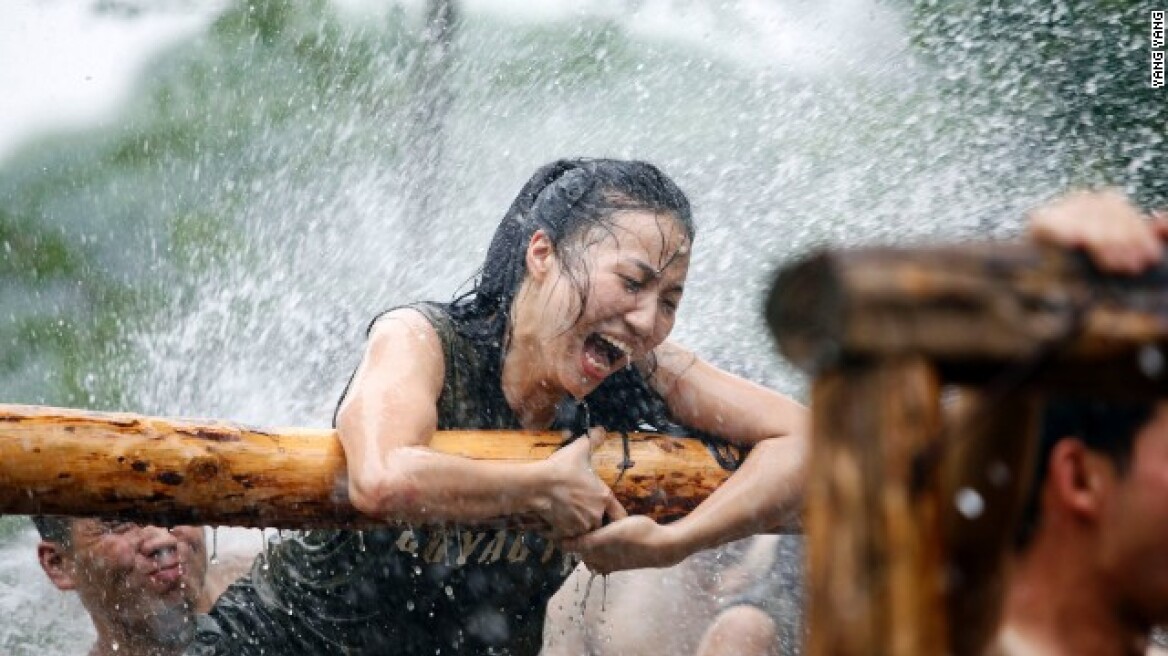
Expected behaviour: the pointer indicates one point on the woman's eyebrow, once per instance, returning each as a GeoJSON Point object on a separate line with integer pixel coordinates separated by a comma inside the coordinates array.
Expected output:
{"type": "Point", "coordinates": [652, 274]}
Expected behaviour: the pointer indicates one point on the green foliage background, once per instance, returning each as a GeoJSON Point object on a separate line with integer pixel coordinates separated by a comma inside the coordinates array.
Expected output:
{"type": "Point", "coordinates": [1067, 80]}
{"type": "Point", "coordinates": [87, 257]}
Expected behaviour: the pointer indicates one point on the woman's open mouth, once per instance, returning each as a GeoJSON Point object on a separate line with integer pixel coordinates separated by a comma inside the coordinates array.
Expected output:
{"type": "Point", "coordinates": [603, 354]}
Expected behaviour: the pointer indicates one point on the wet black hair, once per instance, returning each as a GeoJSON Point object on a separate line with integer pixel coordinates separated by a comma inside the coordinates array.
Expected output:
{"type": "Point", "coordinates": [54, 529]}
{"type": "Point", "coordinates": [1105, 427]}
{"type": "Point", "coordinates": [567, 199]}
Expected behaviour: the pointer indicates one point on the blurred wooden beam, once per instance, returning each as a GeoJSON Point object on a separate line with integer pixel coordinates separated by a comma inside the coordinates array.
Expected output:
{"type": "Point", "coordinates": [910, 524]}
{"type": "Point", "coordinates": [876, 570]}
{"type": "Point", "coordinates": [978, 312]}
{"type": "Point", "coordinates": [986, 471]}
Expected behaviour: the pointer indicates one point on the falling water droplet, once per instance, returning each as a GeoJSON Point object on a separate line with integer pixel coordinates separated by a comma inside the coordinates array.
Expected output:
{"type": "Point", "coordinates": [115, 646]}
{"type": "Point", "coordinates": [361, 540]}
{"type": "Point", "coordinates": [969, 503]}
{"type": "Point", "coordinates": [587, 590]}
{"type": "Point", "coordinates": [1151, 361]}
{"type": "Point", "coordinates": [410, 604]}
{"type": "Point", "coordinates": [215, 545]}
{"type": "Point", "coordinates": [999, 474]}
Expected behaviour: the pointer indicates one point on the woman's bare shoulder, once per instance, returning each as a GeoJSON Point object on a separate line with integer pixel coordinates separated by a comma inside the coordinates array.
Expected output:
{"type": "Point", "coordinates": [403, 347]}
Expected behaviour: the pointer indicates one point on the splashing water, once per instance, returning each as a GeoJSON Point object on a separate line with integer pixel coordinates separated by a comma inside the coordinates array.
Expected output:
{"type": "Point", "coordinates": [265, 177]}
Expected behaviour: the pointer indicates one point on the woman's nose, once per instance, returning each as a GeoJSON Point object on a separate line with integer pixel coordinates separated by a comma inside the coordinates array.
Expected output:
{"type": "Point", "coordinates": [643, 317]}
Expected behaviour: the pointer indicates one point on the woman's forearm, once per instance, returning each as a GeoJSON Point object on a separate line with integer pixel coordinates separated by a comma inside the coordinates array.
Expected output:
{"type": "Point", "coordinates": [764, 494]}
{"type": "Point", "coordinates": [418, 484]}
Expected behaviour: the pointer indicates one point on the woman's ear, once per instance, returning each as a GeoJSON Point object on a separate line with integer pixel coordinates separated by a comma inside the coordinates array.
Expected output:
{"type": "Point", "coordinates": [57, 564]}
{"type": "Point", "coordinates": [541, 255]}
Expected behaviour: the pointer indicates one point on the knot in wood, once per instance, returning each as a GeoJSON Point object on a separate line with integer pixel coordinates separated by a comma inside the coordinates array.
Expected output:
{"type": "Point", "coordinates": [203, 468]}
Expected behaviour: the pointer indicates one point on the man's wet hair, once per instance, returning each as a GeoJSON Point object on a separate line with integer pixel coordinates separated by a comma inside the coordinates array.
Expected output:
{"type": "Point", "coordinates": [1106, 427]}
{"type": "Point", "coordinates": [54, 529]}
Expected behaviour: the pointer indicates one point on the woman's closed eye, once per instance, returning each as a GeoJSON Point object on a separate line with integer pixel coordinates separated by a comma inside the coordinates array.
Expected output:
{"type": "Point", "coordinates": [632, 285]}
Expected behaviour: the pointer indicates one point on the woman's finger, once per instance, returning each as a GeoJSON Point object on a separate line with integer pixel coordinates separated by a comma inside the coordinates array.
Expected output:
{"type": "Point", "coordinates": [614, 510]}
{"type": "Point", "coordinates": [596, 437]}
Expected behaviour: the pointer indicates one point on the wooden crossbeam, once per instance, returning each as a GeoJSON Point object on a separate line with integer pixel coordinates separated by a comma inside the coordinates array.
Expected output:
{"type": "Point", "coordinates": [163, 471]}
{"type": "Point", "coordinates": [910, 518]}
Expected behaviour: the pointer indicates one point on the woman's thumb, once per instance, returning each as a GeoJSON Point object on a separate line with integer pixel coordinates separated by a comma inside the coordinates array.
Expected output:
{"type": "Point", "coordinates": [596, 437]}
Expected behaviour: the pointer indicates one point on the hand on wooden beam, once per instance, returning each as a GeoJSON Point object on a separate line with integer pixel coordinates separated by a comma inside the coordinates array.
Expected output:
{"type": "Point", "coordinates": [1117, 236]}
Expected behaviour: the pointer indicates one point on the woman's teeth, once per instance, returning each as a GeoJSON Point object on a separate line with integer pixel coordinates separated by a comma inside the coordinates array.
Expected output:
{"type": "Point", "coordinates": [618, 345]}
{"type": "Point", "coordinates": [601, 366]}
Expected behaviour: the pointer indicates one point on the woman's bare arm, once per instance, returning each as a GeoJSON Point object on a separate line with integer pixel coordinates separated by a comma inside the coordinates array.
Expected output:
{"type": "Point", "coordinates": [700, 395]}
{"type": "Point", "coordinates": [764, 494]}
{"type": "Point", "coordinates": [387, 419]}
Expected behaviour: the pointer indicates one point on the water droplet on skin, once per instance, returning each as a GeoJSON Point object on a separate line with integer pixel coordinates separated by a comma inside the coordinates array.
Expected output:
{"type": "Point", "coordinates": [1151, 361]}
{"type": "Point", "coordinates": [969, 503]}
{"type": "Point", "coordinates": [999, 474]}
{"type": "Point", "coordinates": [115, 646]}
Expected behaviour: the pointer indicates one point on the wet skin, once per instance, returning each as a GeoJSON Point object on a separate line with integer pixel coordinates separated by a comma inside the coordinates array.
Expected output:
{"type": "Point", "coordinates": [564, 343]}
{"type": "Point", "coordinates": [1133, 550]}
{"type": "Point", "coordinates": [634, 272]}
{"type": "Point", "coordinates": [140, 584]}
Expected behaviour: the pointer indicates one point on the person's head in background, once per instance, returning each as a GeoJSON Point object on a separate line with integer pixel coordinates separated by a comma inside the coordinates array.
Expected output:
{"type": "Point", "coordinates": [1092, 550]}
{"type": "Point", "coordinates": [141, 585]}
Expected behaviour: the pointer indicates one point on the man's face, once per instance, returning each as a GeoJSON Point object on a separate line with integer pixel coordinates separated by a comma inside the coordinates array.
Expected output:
{"type": "Point", "coordinates": [1134, 526]}
{"type": "Point", "coordinates": [145, 578]}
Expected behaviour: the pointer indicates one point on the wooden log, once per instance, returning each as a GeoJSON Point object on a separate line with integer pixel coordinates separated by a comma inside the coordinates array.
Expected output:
{"type": "Point", "coordinates": [977, 311]}
{"type": "Point", "coordinates": [876, 575]}
{"type": "Point", "coordinates": [162, 471]}
{"type": "Point", "coordinates": [986, 471]}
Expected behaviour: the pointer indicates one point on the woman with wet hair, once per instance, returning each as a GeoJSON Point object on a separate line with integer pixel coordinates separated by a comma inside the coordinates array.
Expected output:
{"type": "Point", "coordinates": [565, 328]}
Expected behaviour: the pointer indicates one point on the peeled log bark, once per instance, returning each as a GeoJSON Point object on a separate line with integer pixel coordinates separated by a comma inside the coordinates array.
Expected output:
{"type": "Point", "coordinates": [161, 471]}
{"type": "Point", "coordinates": [977, 311]}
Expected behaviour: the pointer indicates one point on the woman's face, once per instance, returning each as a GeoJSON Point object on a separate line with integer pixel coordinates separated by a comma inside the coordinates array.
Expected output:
{"type": "Point", "coordinates": [634, 270]}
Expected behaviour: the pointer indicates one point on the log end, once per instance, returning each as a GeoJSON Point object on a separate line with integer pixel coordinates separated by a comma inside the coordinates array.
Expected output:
{"type": "Point", "coordinates": [805, 310]}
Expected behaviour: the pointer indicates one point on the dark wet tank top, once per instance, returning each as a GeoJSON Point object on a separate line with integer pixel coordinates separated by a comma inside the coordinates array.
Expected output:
{"type": "Point", "coordinates": [399, 590]}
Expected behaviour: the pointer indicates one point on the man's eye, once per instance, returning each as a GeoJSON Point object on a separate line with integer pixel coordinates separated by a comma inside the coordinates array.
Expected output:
{"type": "Point", "coordinates": [116, 526]}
